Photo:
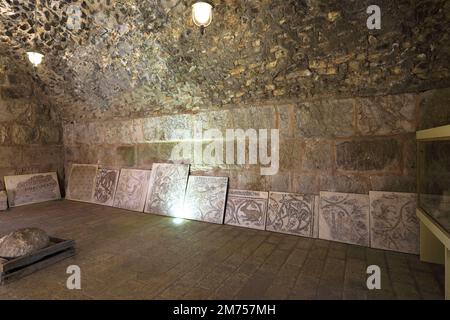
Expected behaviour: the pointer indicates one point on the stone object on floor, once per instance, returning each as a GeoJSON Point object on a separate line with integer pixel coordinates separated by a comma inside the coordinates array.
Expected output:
{"type": "Point", "coordinates": [22, 242]}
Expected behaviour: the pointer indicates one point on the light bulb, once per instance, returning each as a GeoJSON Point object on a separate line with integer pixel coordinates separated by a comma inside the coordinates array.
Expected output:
{"type": "Point", "coordinates": [177, 221]}
{"type": "Point", "coordinates": [202, 14]}
{"type": "Point", "coordinates": [35, 58]}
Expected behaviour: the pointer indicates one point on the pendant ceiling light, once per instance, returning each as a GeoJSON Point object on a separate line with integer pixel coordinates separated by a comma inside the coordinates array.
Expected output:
{"type": "Point", "coordinates": [202, 14]}
{"type": "Point", "coordinates": [35, 57]}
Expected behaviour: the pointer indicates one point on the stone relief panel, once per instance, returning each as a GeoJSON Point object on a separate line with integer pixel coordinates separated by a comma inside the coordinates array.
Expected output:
{"type": "Point", "coordinates": [393, 221]}
{"type": "Point", "coordinates": [291, 213]}
{"type": "Point", "coordinates": [105, 186]}
{"type": "Point", "coordinates": [325, 118]}
{"type": "Point", "coordinates": [81, 182]}
{"type": "Point", "coordinates": [167, 189]}
{"type": "Point", "coordinates": [386, 115]}
{"type": "Point", "coordinates": [247, 209]}
{"type": "Point", "coordinates": [132, 189]}
{"type": "Point", "coordinates": [32, 188]}
{"type": "Point", "coordinates": [205, 199]}
{"type": "Point", "coordinates": [368, 155]}
{"type": "Point", "coordinates": [344, 217]}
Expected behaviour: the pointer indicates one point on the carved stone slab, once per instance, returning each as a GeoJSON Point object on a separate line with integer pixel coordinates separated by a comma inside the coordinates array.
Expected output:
{"type": "Point", "coordinates": [81, 182]}
{"type": "Point", "coordinates": [32, 188]}
{"type": "Point", "coordinates": [247, 209]}
{"type": "Point", "coordinates": [344, 217]}
{"type": "Point", "coordinates": [3, 201]}
{"type": "Point", "coordinates": [105, 186]}
{"type": "Point", "coordinates": [291, 213]}
{"type": "Point", "coordinates": [167, 189]}
{"type": "Point", "coordinates": [205, 199]}
{"type": "Point", "coordinates": [393, 221]}
{"type": "Point", "coordinates": [132, 189]}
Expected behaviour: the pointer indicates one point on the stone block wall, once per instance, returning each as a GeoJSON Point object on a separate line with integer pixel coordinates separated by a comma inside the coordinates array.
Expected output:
{"type": "Point", "coordinates": [30, 131]}
{"type": "Point", "coordinates": [344, 145]}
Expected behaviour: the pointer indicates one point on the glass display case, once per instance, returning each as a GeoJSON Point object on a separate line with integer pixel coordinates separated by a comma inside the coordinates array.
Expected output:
{"type": "Point", "coordinates": [433, 187]}
{"type": "Point", "coordinates": [434, 179]}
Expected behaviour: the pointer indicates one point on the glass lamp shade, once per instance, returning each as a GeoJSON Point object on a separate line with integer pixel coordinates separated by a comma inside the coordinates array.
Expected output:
{"type": "Point", "coordinates": [35, 58]}
{"type": "Point", "coordinates": [201, 14]}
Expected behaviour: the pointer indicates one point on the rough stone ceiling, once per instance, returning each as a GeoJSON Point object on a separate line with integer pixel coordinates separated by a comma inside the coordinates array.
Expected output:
{"type": "Point", "coordinates": [108, 58]}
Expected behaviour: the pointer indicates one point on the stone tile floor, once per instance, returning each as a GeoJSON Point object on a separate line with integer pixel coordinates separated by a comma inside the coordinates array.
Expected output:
{"type": "Point", "coordinates": [128, 255]}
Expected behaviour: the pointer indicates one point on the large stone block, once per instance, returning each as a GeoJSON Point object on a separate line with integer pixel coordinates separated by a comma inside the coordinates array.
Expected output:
{"type": "Point", "coordinates": [368, 155]}
{"type": "Point", "coordinates": [10, 156]}
{"type": "Point", "coordinates": [305, 183]}
{"type": "Point", "coordinates": [105, 155]}
{"type": "Point", "coordinates": [435, 108]}
{"type": "Point", "coordinates": [393, 183]}
{"type": "Point", "coordinates": [81, 133]}
{"type": "Point", "coordinates": [344, 183]}
{"type": "Point", "coordinates": [386, 115]}
{"type": "Point", "coordinates": [410, 155]}
{"type": "Point", "coordinates": [3, 134]}
{"type": "Point", "coordinates": [150, 129]}
{"type": "Point", "coordinates": [68, 134]}
{"type": "Point", "coordinates": [318, 155]}
{"type": "Point", "coordinates": [286, 120]}
{"type": "Point", "coordinates": [174, 127]}
{"type": "Point", "coordinates": [96, 133]}
{"type": "Point", "coordinates": [167, 128]}
{"type": "Point", "coordinates": [17, 91]}
{"type": "Point", "coordinates": [327, 118]}
{"type": "Point", "coordinates": [12, 109]}
{"type": "Point", "coordinates": [22, 134]}
{"type": "Point", "coordinates": [50, 134]}
{"type": "Point", "coordinates": [254, 118]}
{"type": "Point", "coordinates": [147, 154]}
{"type": "Point", "coordinates": [126, 156]}
{"type": "Point", "coordinates": [137, 131]}
{"type": "Point", "coordinates": [121, 132]}
{"type": "Point", "coordinates": [42, 155]}
{"type": "Point", "coordinates": [165, 150]}
{"type": "Point", "coordinates": [3, 201]}
{"type": "Point", "coordinates": [253, 181]}
{"type": "Point", "coordinates": [280, 182]}
{"type": "Point", "coordinates": [220, 120]}
{"type": "Point", "coordinates": [72, 154]}
{"type": "Point", "coordinates": [232, 175]}
{"type": "Point", "coordinates": [291, 151]}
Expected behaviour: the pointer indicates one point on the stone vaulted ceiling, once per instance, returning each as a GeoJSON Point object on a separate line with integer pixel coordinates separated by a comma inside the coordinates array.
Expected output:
{"type": "Point", "coordinates": [106, 58]}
